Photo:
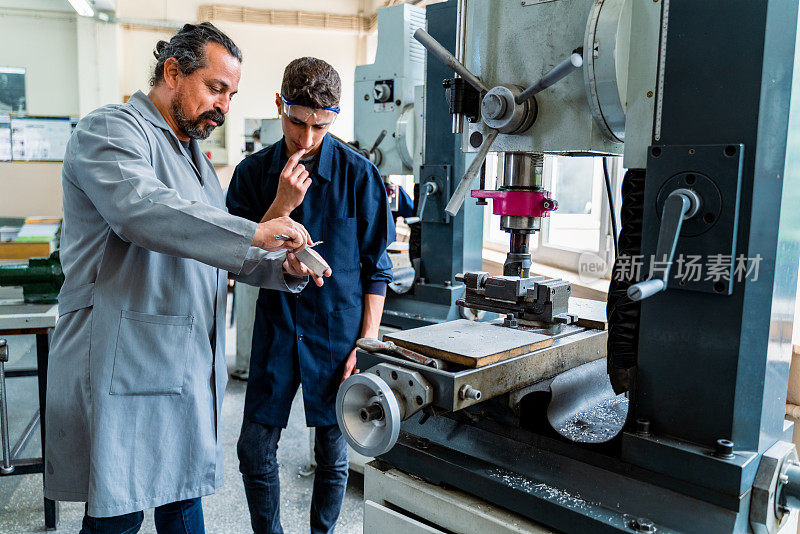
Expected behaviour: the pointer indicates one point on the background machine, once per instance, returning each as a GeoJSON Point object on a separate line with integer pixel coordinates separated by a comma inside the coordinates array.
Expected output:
{"type": "Point", "coordinates": [386, 100]}
{"type": "Point", "coordinates": [664, 414]}
{"type": "Point", "coordinates": [391, 98]}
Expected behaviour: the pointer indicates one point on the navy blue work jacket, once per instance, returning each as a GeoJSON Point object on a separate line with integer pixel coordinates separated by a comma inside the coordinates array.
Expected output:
{"type": "Point", "coordinates": [306, 337]}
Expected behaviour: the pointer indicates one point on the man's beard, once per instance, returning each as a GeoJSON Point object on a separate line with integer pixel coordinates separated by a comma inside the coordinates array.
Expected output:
{"type": "Point", "coordinates": [196, 128]}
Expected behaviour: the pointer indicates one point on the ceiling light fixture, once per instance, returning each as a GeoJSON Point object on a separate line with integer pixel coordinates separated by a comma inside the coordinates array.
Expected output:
{"type": "Point", "coordinates": [82, 7]}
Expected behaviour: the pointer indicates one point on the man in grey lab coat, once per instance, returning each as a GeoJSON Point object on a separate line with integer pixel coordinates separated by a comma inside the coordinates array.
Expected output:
{"type": "Point", "coordinates": [137, 366]}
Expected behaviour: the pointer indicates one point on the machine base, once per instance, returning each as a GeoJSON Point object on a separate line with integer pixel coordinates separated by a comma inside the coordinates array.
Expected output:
{"type": "Point", "coordinates": [564, 486]}
{"type": "Point", "coordinates": [397, 503]}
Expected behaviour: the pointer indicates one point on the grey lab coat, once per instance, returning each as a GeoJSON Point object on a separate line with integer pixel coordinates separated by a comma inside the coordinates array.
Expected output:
{"type": "Point", "coordinates": [137, 362]}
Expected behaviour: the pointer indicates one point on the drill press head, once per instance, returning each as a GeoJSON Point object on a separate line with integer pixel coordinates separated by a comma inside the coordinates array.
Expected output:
{"type": "Point", "coordinates": [521, 202]}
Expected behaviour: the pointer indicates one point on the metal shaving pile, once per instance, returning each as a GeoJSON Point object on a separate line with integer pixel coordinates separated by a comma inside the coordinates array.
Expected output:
{"type": "Point", "coordinates": [598, 424]}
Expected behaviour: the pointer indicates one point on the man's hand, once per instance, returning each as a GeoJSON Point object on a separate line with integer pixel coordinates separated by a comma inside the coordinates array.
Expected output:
{"type": "Point", "coordinates": [293, 183]}
{"type": "Point", "coordinates": [349, 366]}
{"type": "Point", "coordinates": [295, 267]}
{"type": "Point", "coordinates": [370, 324]}
{"type": "Point", "coordinates": [266, 231]}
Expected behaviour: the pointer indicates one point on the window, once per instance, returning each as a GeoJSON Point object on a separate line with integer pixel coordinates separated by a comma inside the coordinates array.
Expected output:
{"type": "Point", "coordinates": [406, 181]}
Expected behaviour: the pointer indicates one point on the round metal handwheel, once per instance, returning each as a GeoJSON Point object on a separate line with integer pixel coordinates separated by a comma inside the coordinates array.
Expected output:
{"type": "Point", "coordinates": [368, 414]}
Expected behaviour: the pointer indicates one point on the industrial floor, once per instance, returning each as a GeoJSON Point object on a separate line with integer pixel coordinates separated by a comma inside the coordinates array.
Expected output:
{"type": "Point", "coordinates": [225, 512]}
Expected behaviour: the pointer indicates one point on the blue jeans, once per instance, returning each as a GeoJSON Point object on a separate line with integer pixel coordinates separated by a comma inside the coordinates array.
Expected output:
{"type": "Point", "coordinates": [257, 448]}
{"type": "Point", "coordinates": [182, 517]}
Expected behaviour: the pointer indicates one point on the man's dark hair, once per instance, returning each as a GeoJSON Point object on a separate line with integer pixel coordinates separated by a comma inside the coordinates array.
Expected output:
{"type": "Point", "coordinates": [188, 47]}
{"type": "Point", "coordinates": [311, 82]}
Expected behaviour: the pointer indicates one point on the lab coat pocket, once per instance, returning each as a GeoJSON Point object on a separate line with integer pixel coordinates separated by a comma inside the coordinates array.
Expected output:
{"type": "Point", "coordinates": [343, 328]}
{"type": "Point", "coordinates": [340, 244]}
{"type": "Point", "coordinates": [151, 353]}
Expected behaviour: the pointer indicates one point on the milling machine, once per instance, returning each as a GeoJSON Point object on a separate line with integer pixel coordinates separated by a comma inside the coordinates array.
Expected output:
{"type": "Point", "coordinates": [390, 96]}
{"type": "Point", "coordinates": [387, 103]}
{"type": "Point", "coordinates": [671, 419]}
{"type": "Point", "coordinates": [425, 290]}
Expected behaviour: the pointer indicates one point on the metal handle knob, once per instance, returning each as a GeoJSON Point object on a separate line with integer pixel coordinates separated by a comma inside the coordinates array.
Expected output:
{"type": "Point", "coordinates": [556, 74]}
{"type": "Point", "coordinates": [378, 141]}
{"type": "Point", "coordinates": [680, 205]}
{"type": "Point", "coordinates": [465, 184]}
{"type": "Point", "coordinates": [442, 54]}
{"type": "Point", "coordinates": [430, 189]}
{"type": "Point", "coordinates": [381, 93]}
{"type": "Point", "coordinates": [468, 392]}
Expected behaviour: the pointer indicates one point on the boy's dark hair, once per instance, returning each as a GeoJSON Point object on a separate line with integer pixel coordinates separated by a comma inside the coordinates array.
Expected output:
{"type": "Point", "coordinates": [188, 47]}
{"type": "Point", "coordinates": [308, 81]}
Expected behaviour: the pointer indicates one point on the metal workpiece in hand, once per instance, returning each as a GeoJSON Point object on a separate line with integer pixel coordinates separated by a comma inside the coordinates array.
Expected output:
{"type": "Point", "coordinates": [313, 260]}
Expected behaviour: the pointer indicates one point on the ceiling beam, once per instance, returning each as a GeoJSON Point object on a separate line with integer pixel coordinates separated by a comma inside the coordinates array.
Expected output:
{"type": "Point", "coordinates": [292, 18]}
{"type": "Point", "coordinates": [304, 19]}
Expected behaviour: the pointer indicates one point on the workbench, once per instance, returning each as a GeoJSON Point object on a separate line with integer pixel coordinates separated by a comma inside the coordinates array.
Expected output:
{"type": "Point", "coordinates": [38, 320]}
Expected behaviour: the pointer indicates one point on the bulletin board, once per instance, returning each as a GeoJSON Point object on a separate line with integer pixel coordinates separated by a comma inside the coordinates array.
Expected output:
{"type": "Point", "coordinates": [39, 138]}
{"type": "Point", "coordinates": [5, 138]}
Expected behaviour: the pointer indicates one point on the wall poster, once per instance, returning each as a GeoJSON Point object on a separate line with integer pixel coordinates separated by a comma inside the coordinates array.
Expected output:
{"type": "Point", "coordinates": [12, 90]}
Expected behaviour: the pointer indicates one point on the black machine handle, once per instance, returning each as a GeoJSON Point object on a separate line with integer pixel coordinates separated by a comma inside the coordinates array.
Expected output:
{"type": "Point", "coordinates": [430, 189]}
{"type": "Point", "coordinates": [680, 205]}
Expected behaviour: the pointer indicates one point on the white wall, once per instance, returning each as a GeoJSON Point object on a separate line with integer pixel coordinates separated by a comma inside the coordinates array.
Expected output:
{"type": "Point", "coordinates": [266, 50]}
{"type": "Point", "coordinates": [98, 64]}
{"type": "Point", "coordinates": [76, 65]}
{"type": "Point", "coordinates": [44, 43]}
{"type": "Point", "coordinates": [187, 9]}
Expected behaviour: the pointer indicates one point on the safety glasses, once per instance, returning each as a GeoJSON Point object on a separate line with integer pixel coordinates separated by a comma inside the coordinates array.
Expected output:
{"type": "Point", "coordinates": [307, 115]}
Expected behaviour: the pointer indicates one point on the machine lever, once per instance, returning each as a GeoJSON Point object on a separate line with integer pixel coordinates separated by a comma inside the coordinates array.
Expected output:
{"type": "Point", "coordinates": [469, 177]}
{"type": "Point", "coordinates": [375, 345]}
{"type": "Point", "coordinates": [348, 144]}
{"type": "Point", "coordinates": [680, 205]}
{"type": "Point", "coordinates": [556, 74]}
{"type": "Point", "coordinates": [378, 141]}
{"type": "Point", "coordinates": [442, 54]}
{"type": "Point", "coordinates": [430, 189]}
